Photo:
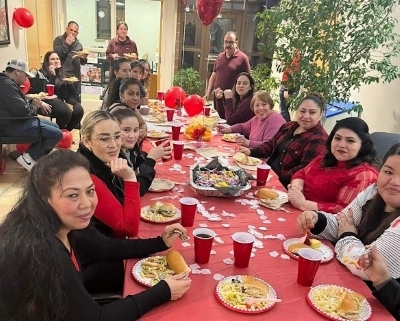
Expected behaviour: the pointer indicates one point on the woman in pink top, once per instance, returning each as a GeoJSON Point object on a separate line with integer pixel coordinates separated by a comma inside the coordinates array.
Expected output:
{"type": "Point", "coordinates": [262, 127]}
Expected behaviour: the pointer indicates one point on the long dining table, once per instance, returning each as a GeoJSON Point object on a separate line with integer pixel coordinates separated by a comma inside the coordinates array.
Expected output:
{"type": "Point", "coordinates": [269, 262]}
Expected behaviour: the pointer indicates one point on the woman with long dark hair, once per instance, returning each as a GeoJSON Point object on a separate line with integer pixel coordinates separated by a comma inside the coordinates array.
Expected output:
{"type": "Point", "coordinates": [66, 94]}
{"type": "Point", "coordinates": [43, 238]}
{"type": "Point", "coordinates": [331, 181]}
{"type": "Point", "coordinates": [234, 105]}
{"type": "Point", "coordinates": [373, 218]}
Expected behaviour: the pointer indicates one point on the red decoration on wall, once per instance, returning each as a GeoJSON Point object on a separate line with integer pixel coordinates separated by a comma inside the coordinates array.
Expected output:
{"type": "Point", "coordinates": [66, 140]}
{"type": "Point", "coordinates": [208, 10]}
{"type": "Point", "coordinates": [174, 97]}
{"type": "Point", "coordinates": [23, 17]}
{"type": "Point", "coordinates": [193, 105]}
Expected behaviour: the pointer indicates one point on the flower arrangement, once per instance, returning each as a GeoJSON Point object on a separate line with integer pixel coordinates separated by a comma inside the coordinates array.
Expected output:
{"type": "Point", "coordinates": [198, 132]}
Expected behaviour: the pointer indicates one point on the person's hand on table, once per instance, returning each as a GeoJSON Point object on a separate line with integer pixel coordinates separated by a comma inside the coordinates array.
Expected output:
{"type": "Point", "coordinates": [306, 221]}
{"type": "Point", "coordinates": [346, 222]}
{"type": "Point", "coordinates": [177, 285]}
{"type": "Point", "coordinates": [169, 236]}
{"type": "Point", "coordinates": [223, 129]}
{"type": "Point", "coordinates": [160, 151]}
{"type": "Point", "coordinates": [228, 93]}
{"type": "Point", "coordinates": [296, 197]}
{"type": "Point", "coordinates": [374, 266]}
{"type": "Point", "coordinates": [243, 150]}
{"type": "Point", "coordinates": [241, 140]}
{"type": "Point", "coordinates": [121, 168]}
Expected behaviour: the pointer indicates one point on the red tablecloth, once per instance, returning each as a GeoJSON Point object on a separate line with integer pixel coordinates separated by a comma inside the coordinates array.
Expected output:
{"type": "Point", "coordinates": [199, 302]}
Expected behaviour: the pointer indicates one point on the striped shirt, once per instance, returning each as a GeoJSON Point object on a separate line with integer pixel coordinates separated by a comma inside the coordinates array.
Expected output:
{"type": "Point", "coordinates": [351, 247]}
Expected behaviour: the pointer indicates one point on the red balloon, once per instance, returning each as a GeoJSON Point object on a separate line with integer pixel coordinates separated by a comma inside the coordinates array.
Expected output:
{"type": "Point", "coordinates": [26, 86]}
{"type": "Point", "coordinates": [193, 105]}
{"type": "Point", "coordinates": [23, 17]}
{"type": "Point", "coordinates": [66, 140]}
{"type": "Point", "coordinates": [208, 10]}
{"type": "Point", "coordinates": [174, 97]}
{"type": "Point", "coordinates": [22, 148]}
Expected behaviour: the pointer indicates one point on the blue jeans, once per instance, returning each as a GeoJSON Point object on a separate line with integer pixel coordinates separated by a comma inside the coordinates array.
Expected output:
{"type": "Point", "coordinates": [51, 135]}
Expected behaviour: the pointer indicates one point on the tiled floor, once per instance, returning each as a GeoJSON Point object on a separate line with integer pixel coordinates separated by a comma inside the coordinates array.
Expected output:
{"type": "Point", "coordinates": [14, 177]}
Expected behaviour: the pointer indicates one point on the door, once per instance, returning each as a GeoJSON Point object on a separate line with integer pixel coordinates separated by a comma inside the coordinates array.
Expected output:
{"type": "Point", "coordinates": [203, 44]}
{"type": "Point", "coordinates": [40, 36]}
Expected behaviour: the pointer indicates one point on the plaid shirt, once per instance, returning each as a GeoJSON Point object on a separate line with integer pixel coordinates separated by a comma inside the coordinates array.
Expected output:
{"type": "Point", "coordinates": [300, 150]}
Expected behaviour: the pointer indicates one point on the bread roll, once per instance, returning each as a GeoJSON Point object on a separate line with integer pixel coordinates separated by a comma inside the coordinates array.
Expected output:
{"type": "Point", "coordinates": [295, 247]}
{"type": "Point", "coordinates": [351, 306]}
{"type": "Point", "coordinates": [155, 206]}
{"type": "Point", "coordinates": [176, 262]}
{"type": "Point", "coordinates": [167, 209]}
{"type": "Point", "coordinates": [266, 193]}
{"type": "Point", "coordinates": [255, 288]}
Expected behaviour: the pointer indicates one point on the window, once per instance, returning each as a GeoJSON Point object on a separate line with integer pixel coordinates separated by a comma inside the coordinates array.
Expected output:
{"type": "Point", "coordinates": [103, 9]}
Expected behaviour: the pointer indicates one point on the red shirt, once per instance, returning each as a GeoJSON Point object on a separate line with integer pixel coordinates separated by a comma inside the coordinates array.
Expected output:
{"type": "Point", "coordinates": [120, 48]}
{"type": "Point", "coordinates": [333, 188]}
{"type": "Point", "coordinates": [227, 69]}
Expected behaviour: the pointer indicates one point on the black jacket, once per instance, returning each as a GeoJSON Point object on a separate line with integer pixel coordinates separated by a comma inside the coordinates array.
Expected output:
{"type": "Point", "coordinates": [389, 296]}
{"type": "Point", "coordinates": [13, 103]}
{"type": "Point", "coordinates": [72, 67]}
{"type": "Point", "coordinates": [62, 89]}
{"type": "Point", "coordinates": [90, 243]}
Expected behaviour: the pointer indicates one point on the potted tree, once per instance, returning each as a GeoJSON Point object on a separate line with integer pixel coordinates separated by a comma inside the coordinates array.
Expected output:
{"type": "Point", "coordinates": [189, 80]}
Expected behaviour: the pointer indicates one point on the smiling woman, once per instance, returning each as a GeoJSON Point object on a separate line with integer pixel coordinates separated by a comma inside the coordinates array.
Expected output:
{"type": "Point", "coordinates": [331, 181]}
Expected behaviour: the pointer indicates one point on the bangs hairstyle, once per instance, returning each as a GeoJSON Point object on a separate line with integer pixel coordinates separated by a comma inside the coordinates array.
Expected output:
{"type": "Point", "coordinates": [263, 96]}
{"type": "Point", "coordinates": [121, 113]}
{"type": "Point", "coordinates": [367, 152]}
{"type": "Point", "coordinates": [236, 97]}
{"type": "Point", "coordinates": [374, 220]}
{"type": "Point", "coordinates": [317, 98]}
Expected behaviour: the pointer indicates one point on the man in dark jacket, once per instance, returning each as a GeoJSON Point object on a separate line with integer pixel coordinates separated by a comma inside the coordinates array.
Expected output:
{"type": "Point", "coordinates": [67, 46]}
{"type": "Point", "coordinates": [13, 103]}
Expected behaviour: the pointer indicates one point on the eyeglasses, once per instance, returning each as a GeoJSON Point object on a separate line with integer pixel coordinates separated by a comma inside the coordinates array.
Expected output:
{"type": "Point", "coordinates": [105, 141]}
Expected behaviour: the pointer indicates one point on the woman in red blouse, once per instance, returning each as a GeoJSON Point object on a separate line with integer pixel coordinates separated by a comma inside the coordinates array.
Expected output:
{"type": "Point", "coordinates": [118, 211]}
{"type": "Point", "coordinates": [331, 181]}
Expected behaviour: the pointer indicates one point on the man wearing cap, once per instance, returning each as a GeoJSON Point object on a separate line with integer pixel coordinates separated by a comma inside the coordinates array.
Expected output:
{"type": "Point", "coordinates": [67, 46]}
{"type": "Point", "coordinates": [13, 103]}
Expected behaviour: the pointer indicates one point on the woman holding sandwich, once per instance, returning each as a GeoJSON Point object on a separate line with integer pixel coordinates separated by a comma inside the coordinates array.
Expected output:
{"type": "Point", "coordinates": [48, 232]}
{"type": "Point", "coordinates": [372, 218]}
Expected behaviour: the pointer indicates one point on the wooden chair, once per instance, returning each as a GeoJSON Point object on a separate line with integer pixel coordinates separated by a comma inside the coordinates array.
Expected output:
{"type": "Point", "coordinates": [14, 139]}
{"type": "Point", "coordinates": [383, 141]}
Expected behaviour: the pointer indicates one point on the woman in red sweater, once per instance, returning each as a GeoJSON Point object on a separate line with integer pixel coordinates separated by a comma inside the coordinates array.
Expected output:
{"type": "Point", "coordinates": [331, 181]}
{"type": "Point", "coordinates": [118, 211]}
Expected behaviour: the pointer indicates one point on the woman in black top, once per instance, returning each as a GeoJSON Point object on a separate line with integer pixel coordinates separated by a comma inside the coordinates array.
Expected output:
{"type": "Point", "coordinates": [43, 237]}
{"type": "Point", "coordinates": [66, 94]}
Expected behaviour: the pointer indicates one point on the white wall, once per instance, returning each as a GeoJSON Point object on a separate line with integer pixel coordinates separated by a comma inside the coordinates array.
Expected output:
{"type": "Point", "coordinates": [17, 47]}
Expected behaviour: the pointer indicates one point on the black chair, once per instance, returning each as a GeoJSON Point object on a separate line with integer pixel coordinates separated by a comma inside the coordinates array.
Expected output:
{"type": "Point", "coordinates": [383, 141]}
{"type": "Point", "coordinates": [14, 139]}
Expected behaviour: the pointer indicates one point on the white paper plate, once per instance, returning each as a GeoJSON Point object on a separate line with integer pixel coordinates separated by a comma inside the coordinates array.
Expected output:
{"type": "Point", "coordinates": [137, 271]}
{"type": "Point", "coordinates": [327, 253]}
{"type": "Point", "coordinates": [158, 218]}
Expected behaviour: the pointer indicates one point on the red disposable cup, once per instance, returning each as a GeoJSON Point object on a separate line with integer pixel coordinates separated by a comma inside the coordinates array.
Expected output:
{"type": "Point", "coordinates": [159, 142]}
{"type": "Point", "coordinates": [170, 114]}
{"type": "Point", "coordinates": [242, 246]}
{"type": "Point", "coordinates": [203, 240]}
{"type": "Point", "coordinates": [160, 95]}
{"type": "Point", "coordinates": [176, 130]}
{"type": "Point", "coordinates": [188, 210]}
{"type": "Point", "coordinates": [50, 89]}
{"type": "Point", "coordinates": [207, 110]}
{"type": "Point", "coordinates": [309, 261]}
{"type": "Point", "coordinates": [178, 149]}
{"type": "Point", "coordinates": [262, 174]}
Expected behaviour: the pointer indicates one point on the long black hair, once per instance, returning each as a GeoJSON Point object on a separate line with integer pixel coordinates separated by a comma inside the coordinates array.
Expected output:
{"type": "Point", "coordinates": [236, 97]}
{"type": "Point", "coordinates": [367, 152]}
{"type": "Point", "coordinates": [46, 64]}
{"type": "Point", "coordinates": [116, 66]}
{"type": "Point", "coordinates": [374, 220]}
{"type": "Point", "coordinates": [120, 85]}
{"type": "Point", "coordinates": [31, 282]}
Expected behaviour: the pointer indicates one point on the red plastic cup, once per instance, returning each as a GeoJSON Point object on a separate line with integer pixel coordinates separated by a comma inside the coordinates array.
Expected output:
{"type": "Point", "coordinates": [177, 146]}
{"type": "Point", "coordinates": [159, 142]}
{"type": "Point", "coordinates": [160, 95]}
{"type": "Point", "coordinates": [188, 210]}
{"type": "Point", "coordinates": [176, 130]}
{"type": "Point", "coordinates": [262, 174]}
{"type": "Point", "coordinates": [206, 110]}
{"type": "Point", "coordinates": [242, 245]}
{"type": "Point", "coordinates": [203, 240]}
{"type": "Point", "coordinates": [50, 89]}
{"type": "Point", "coordinates": [170, 114]}
{"type": "Point", "coordinates": [309, 261]}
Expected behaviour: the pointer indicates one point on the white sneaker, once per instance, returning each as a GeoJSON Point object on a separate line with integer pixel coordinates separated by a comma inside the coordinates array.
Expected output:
{"type": "Point", "coordinates": [26, 161]}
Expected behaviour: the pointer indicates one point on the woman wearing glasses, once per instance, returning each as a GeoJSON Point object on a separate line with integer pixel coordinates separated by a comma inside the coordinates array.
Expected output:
{"type": "Point", "coordinates": [118, 211]}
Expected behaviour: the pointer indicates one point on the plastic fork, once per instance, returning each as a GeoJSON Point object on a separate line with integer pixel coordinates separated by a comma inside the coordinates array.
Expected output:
{"type": "Point", "coordinates": [181, 235]}
{"type": "Point", "coordinates": [306, 239]}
